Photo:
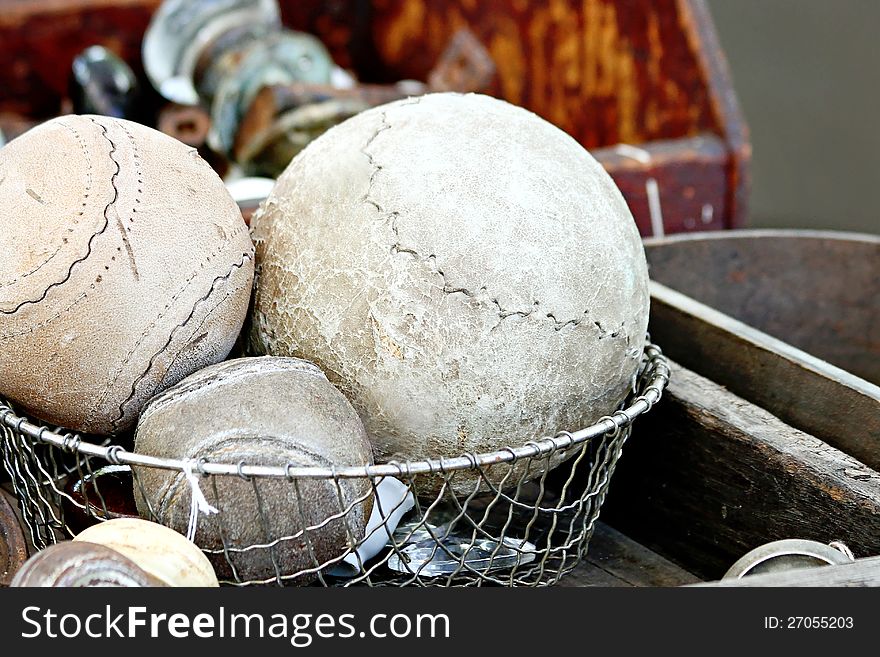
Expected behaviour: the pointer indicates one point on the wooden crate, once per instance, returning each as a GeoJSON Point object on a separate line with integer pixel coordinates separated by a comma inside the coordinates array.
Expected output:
{"type": "Point", "coordinates": [774, 430]}
{"type": "Point", "coordinates": [789, 320]}
{"type": "Point", "coordinates": [648, 74]}
{"type": "Point", "coordinates": [709, 476]}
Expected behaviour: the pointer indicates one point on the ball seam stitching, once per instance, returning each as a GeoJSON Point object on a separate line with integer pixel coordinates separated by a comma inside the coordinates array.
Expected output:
{"type": "Point", "coordinates": [91, 239]}
{"type": "Point", "coordinates": [219, 279]}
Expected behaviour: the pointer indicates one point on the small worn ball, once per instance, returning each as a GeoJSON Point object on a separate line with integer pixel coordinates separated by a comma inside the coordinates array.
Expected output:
{"type": "Point", "coordinates": [157, 550]}
{"type": "Point", "coordinates": [126, 266]}
{"type": "Point", "coordinates": [258, 411]}
{"type": "Point", "coordinates": [81, 564]}
{"type": "Point", "coordinates": [466, 273]}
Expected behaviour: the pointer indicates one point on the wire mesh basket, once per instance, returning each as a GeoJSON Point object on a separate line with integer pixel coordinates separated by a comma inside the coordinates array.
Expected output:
{"type": "Point", "coordinates": [515, 528]}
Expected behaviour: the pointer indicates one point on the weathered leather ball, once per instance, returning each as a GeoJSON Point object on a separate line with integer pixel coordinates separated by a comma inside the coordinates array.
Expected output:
{"type": "Point", "coordinates": [125, 266]}
{"type": "Point", "coordinates": [258, 411]}
{"type": "Point", "coordinates": [467, 274]}
{"type": "Point", "coordinates": [157, 550]}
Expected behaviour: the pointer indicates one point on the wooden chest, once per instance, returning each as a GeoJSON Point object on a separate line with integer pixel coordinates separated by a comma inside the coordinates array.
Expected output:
{"type": "Point", "coordinates": [642, 83]}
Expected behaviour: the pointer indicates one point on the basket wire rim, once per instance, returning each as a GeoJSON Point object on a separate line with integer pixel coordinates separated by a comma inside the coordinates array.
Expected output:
{"type": "Point", "coordinates": [656, 371]}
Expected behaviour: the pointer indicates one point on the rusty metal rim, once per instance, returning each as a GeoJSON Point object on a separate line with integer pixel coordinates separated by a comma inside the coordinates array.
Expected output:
{"type": "Point", "coordinates": [13, 546]}
{"type": "Point", "coordinates": [790, 233]}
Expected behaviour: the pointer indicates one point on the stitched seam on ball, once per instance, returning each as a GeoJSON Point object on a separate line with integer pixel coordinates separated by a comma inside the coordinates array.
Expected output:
{"type": "Point", "coordinates": [503, 313]}
{"type": "Point", "coordinates": [34, 270]}
{"type": "Point", "coordinates": [168, 306]}
{"type": "Point", "coordinates": [92, 238]}
{"type": "Point", "coordinates": [219, 279]}
{"type": "Point", "coordinates": [86, 192]}
{"type": "Point", "coordinates": [138, 172]}
{"type": "Point", "coordinates": [46, 322]}
{"type": "Point", "coordinates": [397, 248]}
{"type": "Point", "coordinates": [208, 315]}
{"type": "Point", "coordinates": [375, 165]}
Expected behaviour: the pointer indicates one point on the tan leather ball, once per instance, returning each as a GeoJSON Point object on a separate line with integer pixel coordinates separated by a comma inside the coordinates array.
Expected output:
{"type": "Point", "coordinates": [125, 267]}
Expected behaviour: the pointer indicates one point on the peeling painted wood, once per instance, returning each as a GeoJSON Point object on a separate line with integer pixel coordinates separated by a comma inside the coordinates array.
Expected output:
{"type": "Point", "coordinates": [690, 178]}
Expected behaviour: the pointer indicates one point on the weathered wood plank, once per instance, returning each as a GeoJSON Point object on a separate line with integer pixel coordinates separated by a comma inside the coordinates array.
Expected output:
{"type": "Point", "coordinates": [804, 391]}
{"type": "Point", "coordinates": [588, 574]}
{"type": "Point", "coordinates": [861, 572]}
{"type": "Point", "coordinates": [708, 476]}
{"type": "Point", "coordinates": [616, 560]}
{"type": "Point", "coordinates": [13, 546]}
{"type": "Point", "coordinates": [632, 562]}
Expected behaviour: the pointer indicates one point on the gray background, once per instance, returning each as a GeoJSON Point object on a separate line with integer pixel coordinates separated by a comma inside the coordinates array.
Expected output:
{"type": "Point", "coordinates": [807, 73]}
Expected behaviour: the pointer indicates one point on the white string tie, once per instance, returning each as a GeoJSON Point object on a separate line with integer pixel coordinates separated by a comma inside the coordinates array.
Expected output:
{"type": "Point", "coordinates": [198, 501]}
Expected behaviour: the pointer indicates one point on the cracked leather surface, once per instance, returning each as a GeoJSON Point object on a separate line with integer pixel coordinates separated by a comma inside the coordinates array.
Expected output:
{"type": "Point", "coordinates": [259, 411]}
{"type": "Point", "coordinates": [126, 266]}
{"type": "Point", "coordinates": [467, 274]}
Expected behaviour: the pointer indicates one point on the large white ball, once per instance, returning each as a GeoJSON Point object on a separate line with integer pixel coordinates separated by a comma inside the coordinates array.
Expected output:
{"type": "Point", "coordinates": [464, 271]}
